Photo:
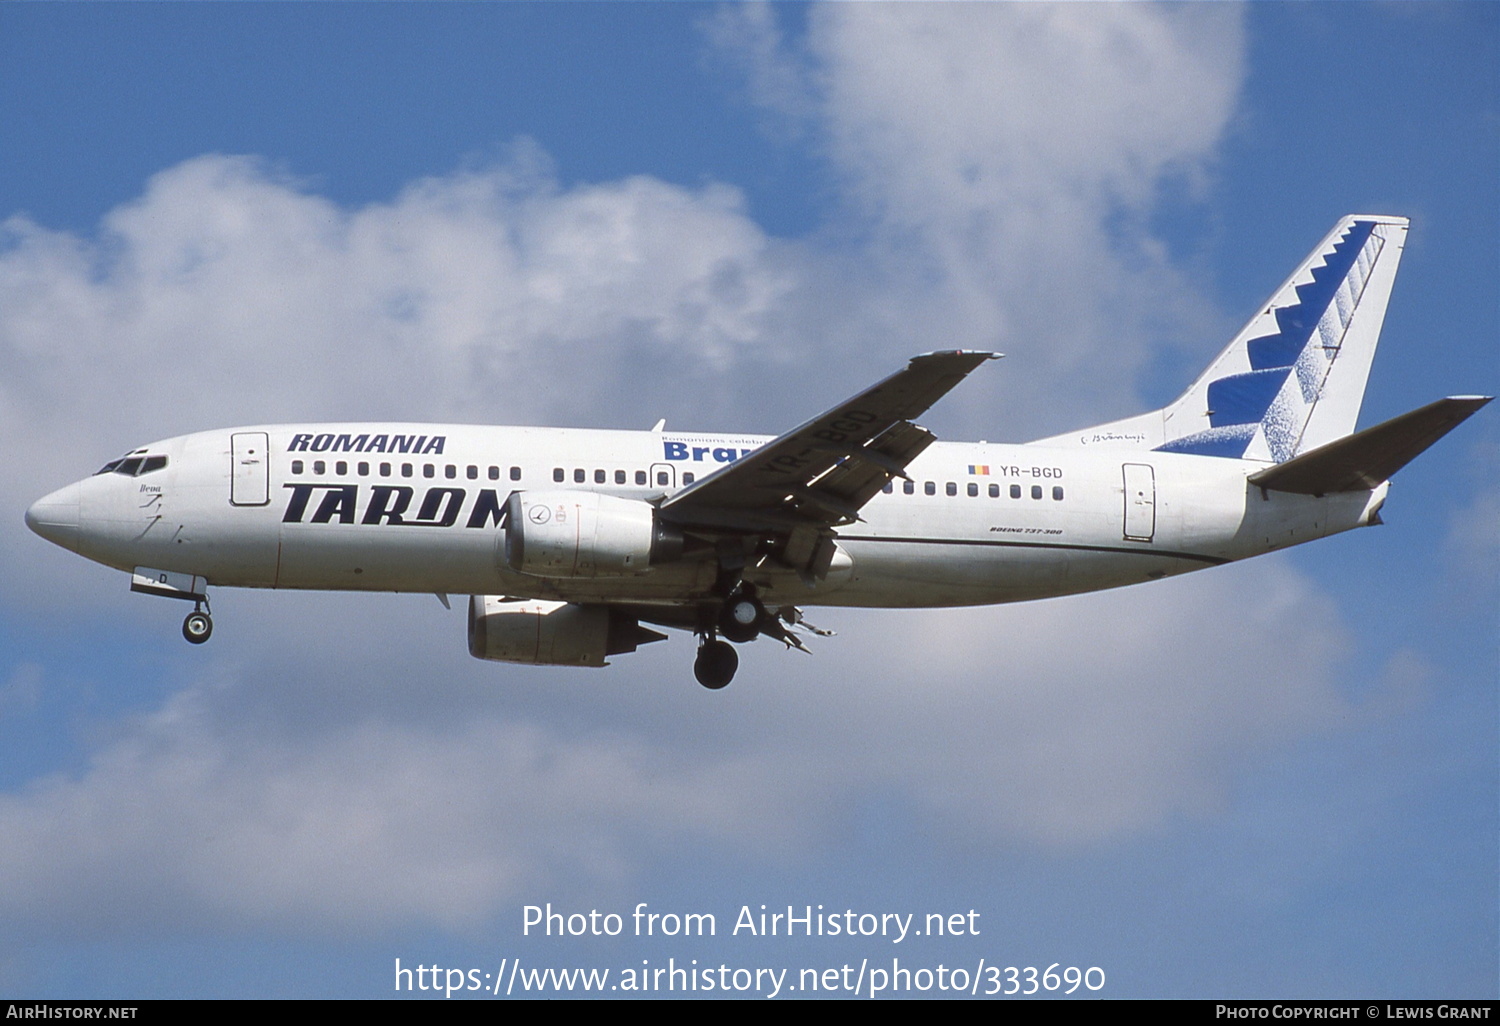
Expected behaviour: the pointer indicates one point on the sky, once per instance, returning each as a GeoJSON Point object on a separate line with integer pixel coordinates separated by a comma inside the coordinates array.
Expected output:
{"type": "Point", "coordinates": [1271, 779]}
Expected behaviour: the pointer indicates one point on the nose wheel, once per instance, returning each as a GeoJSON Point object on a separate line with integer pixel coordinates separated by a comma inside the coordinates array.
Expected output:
{"type": "Point", "coordinates": [198, 627]}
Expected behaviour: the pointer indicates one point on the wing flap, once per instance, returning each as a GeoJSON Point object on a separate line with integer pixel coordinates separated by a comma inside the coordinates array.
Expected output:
{"type": "Point", "coordinates": [856, 478]}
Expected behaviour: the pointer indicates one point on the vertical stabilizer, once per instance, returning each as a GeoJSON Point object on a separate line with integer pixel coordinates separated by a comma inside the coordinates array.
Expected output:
{"type": "Point", "coordinates": [1294, 377]}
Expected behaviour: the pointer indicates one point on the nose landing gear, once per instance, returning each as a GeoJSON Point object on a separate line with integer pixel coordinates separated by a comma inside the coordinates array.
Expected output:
{"type": "Point", "coordinates": [198, 626]}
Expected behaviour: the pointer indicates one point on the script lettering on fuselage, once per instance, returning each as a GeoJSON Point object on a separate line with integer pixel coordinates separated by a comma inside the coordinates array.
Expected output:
{"type": "Point", "coordinates": [420, 445]}
{"type": "Point", "coordinates": [440, 506]}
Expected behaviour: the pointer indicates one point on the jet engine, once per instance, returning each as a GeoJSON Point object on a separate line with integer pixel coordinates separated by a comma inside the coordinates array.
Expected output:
{"type": "Point", "coordinates": [585, 534]}
{"type": "Point", "coordinates": [551, 633]}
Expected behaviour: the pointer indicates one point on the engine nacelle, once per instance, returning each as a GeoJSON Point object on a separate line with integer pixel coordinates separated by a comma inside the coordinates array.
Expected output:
{"type": "Point", "coordinates": [585, 534]}
{"type": "Point", "coordinates": [551, 633]}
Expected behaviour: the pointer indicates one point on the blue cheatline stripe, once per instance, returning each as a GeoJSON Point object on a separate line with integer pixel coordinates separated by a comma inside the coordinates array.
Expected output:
{"type": "Point", "coordinates": [1240, 401]}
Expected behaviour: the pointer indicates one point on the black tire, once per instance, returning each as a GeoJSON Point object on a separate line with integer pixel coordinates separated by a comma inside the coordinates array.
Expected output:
{"type": "Point", "coordinates": [197, 628]}
{"type": "Point", "coordinates": [716, 663]}
{"type": "Point", "coordinates": [740, 620]}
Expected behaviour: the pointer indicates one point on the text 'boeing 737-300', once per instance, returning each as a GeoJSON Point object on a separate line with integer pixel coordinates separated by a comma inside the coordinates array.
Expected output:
{"type": "Point", "coordinates": [569, 542]}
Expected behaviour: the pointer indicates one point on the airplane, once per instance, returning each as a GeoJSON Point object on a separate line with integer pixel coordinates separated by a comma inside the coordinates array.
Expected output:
{"type": "Point", "coordinates": [569, 542]}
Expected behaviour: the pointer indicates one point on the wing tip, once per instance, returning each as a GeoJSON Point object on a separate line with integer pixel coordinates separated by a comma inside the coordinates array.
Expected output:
{"type": "Point", "coordinates": [971, 358]}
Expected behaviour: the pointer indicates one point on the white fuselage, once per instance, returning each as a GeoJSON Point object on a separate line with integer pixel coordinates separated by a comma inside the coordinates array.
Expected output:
{"type": "Point", "coordinates": [342, 507]}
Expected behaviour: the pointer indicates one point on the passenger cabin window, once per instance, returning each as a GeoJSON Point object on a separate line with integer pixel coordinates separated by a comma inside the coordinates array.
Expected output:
{"type": "Point", "coordinates": [951, 489]}
{"type": "Point", "coordinates": [385, 470]}
{"type": "Point", "coordinates": [319, 467]}
{"type": "Point", "coordinates": [929, 488]}
{"type": "Point", "coordinates": [472, 472]}
{"type": "Point", "coordinates": [296, 466]}
{"type": "Point", "coordinates": [909, 487]}
{"type": "Point", "coordinates": [973, 489]}
{"type": "Point", "coordinates": [557, 474]}
{"type": "Point", "coordinates": [1015, 491]}
{"type": "Point", "coordinates": [341, 468]}
{"type": "Point", "coordinates": [515, 473]}
{"type": "Point", "coordinates": [599, 477]}
{"type": "Point", "coordinates": [406, 470]}
{"type": "Point", "coordinates": [619, 477]}
{"type": "Point", "coordinates": [889, 488]}
{"type": "Point", "coordinates": [1057, 494]}
{"type": "Point", "coordinates": [661, 477]}
{"type": "Point", "coordinates": [1036, 491]}
{"type": "Point", "coordinates": [580, 476]}
{"type": "Point", "coordinates": [994, 491]}
{"type": "Point", "coordinates": [687, 478]}
{"type": "Point", "coordinates": [640, 477]}
{"type": "Point", "coordinates": [428, 470]}
{"type": "Point", "coordinates": [364, 469]}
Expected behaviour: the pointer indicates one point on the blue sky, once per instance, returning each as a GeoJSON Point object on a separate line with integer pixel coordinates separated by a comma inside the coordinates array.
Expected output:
{"type": "Point", "coordinates": [1272, 779]}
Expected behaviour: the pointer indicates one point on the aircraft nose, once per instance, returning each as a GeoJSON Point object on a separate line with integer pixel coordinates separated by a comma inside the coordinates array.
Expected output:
{"type": "Point", "coordinates": [55, 517]}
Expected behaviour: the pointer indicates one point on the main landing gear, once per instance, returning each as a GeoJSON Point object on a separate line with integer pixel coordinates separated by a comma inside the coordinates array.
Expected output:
{"type": "Point", "coordinates": [716, 663]}
{"type": "Point", "coordinates": [742, 617]}
{"type": "Point", "coordinates": [199, 625]}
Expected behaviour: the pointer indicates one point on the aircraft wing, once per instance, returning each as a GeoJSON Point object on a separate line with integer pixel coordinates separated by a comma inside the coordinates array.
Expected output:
{"type": "Point", "coordinates": [819, 475]}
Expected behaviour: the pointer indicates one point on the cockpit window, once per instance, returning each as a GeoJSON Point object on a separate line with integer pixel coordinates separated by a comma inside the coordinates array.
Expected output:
{"type": "Point", "coordinates": [133, 465]}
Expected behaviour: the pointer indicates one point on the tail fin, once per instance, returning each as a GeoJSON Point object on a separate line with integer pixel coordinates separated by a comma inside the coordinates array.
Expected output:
{"type": "Point", "coordinates": [1294, 377]}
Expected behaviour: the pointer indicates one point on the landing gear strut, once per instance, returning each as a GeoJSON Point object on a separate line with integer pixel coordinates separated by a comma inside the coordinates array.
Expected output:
{"type": "Point", "coordinates": [198, 626]}
{"type": "Point", "coordinates": [716, 663]}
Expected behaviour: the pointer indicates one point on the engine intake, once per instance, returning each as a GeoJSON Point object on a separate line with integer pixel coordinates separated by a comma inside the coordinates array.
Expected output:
{"type": "Point", "coordinates": [585, 534]}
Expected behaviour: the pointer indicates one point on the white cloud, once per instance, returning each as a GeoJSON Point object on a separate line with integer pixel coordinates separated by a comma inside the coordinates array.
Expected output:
{"type": "Point", "coordinates": [1472, 542]}
{"type": "Point", "coordinates": [1008, 159]}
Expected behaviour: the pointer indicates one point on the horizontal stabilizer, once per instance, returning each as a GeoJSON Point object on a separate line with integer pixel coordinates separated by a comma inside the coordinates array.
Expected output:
{"type": "Point", "coordinates": [1364, 460]}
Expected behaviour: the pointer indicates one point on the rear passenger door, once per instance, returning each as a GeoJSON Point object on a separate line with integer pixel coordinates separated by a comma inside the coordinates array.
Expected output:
{"type": "Point", "coordinates": [1140, 502]}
